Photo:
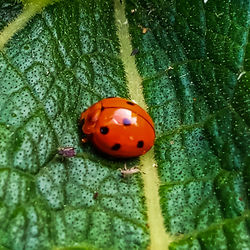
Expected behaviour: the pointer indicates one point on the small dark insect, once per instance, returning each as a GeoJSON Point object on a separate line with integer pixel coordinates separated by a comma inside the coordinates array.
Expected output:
{"type": "Point", "coordinates": [121, 1]}
{"type": "Point", "coordinates": [67, 152]}
{"type": "Point", "coordinates": [95, 195]}
{"type": "Point", "coordinates": [134, 52]}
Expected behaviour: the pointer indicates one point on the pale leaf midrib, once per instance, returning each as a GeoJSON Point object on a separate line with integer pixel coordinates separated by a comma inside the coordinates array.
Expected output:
{"type": "Point", "coordinates": [159, 239]}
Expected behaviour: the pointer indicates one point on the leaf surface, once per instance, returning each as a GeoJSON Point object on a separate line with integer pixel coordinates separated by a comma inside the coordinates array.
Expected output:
{"type": "Point", "coordinates": [194, 63]}
{"type": "Point", "coordinates": [62, 62]}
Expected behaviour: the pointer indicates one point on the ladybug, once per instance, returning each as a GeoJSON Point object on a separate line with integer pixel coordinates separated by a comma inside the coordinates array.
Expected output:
{"type": "Point", "coordinates": [118, 127]}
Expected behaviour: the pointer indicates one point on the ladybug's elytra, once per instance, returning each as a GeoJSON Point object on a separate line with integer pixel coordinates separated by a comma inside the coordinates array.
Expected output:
{"type": "Point", "coordinates": [118, 127]}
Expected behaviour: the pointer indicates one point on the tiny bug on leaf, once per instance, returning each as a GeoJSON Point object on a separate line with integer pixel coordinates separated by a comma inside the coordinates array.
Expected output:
{"type": "Point", "coordinates": [134, 52]}
{"type": "Point", "coordinates": [67, 152]}
{"type": "Point", "coordinates": [125, 172]}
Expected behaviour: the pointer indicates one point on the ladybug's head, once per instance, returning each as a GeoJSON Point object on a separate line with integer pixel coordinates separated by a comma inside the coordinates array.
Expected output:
{"type": "Point", "coordinates": [89, 118]}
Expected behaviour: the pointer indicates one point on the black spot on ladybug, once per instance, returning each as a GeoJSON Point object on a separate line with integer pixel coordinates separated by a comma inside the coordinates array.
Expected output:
{"type": "Point", "coordinates": [140, 144]}
{"type": "Point", "coordinates": [104, 130]}
{"type": "Point", "coordinates": [126, 122]}
{"type": "Point", "coordinates": [130, 103]}
{"type": "Point", "coordinates": [102, 108]}
{"type": "Point", "coordinates": [116, 146]}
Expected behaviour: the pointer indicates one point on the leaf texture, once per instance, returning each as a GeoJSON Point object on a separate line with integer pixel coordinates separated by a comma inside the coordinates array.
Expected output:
{"type": "Point", "coordinates": [194, 63]}
{"type": "Point", "coordinates": [62, 62]}
{"type": "Point", "coordinates": [8, 11]}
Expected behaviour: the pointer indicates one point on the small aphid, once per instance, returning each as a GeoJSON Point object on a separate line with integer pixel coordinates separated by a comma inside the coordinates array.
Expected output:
{"type": "Point", "coordinates": [67, 152]}
{"type": "Point", "coordinates": [125, 172]}
{"type": "Point", "coordinates": [134, 52]}
{"type": "Point", "coordinates": [194, 99]}
{"type": "Point", "coordinates": [171, 142]}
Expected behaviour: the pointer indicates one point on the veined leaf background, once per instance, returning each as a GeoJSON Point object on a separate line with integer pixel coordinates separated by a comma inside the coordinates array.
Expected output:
{"type": "Point", "coordinates": [192, 74]}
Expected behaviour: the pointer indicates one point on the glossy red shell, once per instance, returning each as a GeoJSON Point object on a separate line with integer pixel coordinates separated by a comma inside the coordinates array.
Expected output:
{"type": "Point", "coordinates": [118, 127]}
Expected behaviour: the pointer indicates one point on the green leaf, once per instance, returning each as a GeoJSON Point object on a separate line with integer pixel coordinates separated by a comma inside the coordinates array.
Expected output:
{"type": "Point", "coordinates": [8, 11]}
{"type": "Point", "coordinates": [58, 65]}
{"type": "Point", "coordinates": [194, 64]}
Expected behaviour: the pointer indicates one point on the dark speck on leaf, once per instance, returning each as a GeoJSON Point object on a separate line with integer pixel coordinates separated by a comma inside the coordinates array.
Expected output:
{"type": "Point", "coordinates": [134, 52]}
{"type": "Point", "coordinates": [95, 195]}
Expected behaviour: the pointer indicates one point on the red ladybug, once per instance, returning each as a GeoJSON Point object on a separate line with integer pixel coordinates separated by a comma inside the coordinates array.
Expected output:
{"type": "Point", "coordinates": [118, 127]}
